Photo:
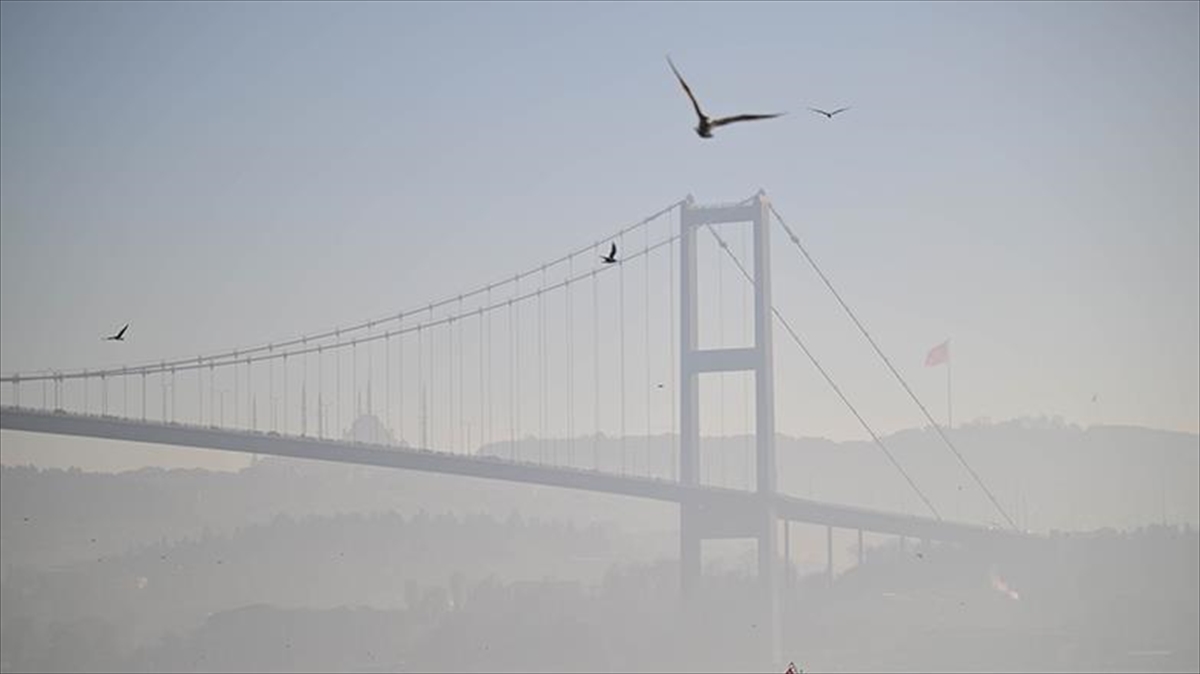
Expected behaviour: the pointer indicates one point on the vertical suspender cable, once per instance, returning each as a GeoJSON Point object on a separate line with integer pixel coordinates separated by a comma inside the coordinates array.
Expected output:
{"type": "Point", "coordinates": [212, 395]}
{"type": "Point", "coordinates": [517, 344]}
{"type": "Point", "coordinates": [646, 346]}
{"type": "Point", "coordinates": [337, 393]}
{"type": "Point", "coordinates": [387, 381]}
{"type": "Point", "coordinates": [490, 351]}
{"type": "Point", "coordinates": [512, 386]}
{"type": "Point", "coordinates": [462, 442]}
{"type": "Point", "coordinates": [370, 408]}
{"type": "Point", "coordinates": [570, 328]}
{"type": "Point", "coordinates": [270, 390]}
{"type": "Point", "coordinates": [672, 365]}
{"type": "Point", "coordinates": [621, 320]}
{"type": "Point", "coordinates": [400, 385]}
{"type": "Point", "coordinates": [320, 394]}
{"type": "Point", "coordinates": [595, 367]}
{"type": "Point", "coordinates": [421, 418]}
{"type": "Point", "coordinates": [482, 404]}
{"type": "Point", "coordinates": [541, 342]}
{"type": "Point", "coordinates": [237, 390]}
{"type": "Point", "coordinates": [304, 393]}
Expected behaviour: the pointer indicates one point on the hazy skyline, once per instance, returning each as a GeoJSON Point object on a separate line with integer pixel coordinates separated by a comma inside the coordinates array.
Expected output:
{"type": "Point", "coordinates": [1019, 178]}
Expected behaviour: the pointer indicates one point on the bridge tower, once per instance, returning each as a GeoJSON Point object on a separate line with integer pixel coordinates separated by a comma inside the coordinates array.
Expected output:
{"type": "Point", "coordinates": [706, 520]}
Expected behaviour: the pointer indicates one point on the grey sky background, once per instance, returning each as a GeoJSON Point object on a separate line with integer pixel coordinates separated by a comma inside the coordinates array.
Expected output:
{"type": "Point", "coordinates": [1018, 177]}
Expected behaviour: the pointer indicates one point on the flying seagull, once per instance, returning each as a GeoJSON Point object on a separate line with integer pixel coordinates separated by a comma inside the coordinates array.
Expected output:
{"type": "Point", "coordinates": [706, 125]}
{"type": "Point", "coordinates": [611, 258]}
{"type": "Point", "coordinates": [120, 336]}
{"type": "Point", "coordinates": [829, 114]}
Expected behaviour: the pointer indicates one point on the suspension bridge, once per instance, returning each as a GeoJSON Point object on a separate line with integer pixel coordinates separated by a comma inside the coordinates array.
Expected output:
{"type": "Point", "coordinates": [542, 378]}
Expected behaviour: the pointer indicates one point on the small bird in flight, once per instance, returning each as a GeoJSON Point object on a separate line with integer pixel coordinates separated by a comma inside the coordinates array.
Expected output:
{"type": "Point", "coordinates": [829, 114]}
{"type": "Point", "coordinates": [611, 258]}
{"type": "Point", "coordinates": [119, 337]}
{"type": "Point", "coordinates": [706, 125]}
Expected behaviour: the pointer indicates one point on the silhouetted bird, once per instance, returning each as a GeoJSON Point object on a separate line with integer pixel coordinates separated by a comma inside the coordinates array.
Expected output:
{"type": "Point", "coordinates": [706, 125]}
{"type": "Point", "coordinates": [611, 257]}
{"type": "Point", "coordinates": [829, 114]}
{"type": "Point", "coordinates": [119, 337]}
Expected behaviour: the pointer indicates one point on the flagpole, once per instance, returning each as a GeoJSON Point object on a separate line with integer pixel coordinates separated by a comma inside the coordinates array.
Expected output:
{"type": "Point", "coordinates": [949, 407]}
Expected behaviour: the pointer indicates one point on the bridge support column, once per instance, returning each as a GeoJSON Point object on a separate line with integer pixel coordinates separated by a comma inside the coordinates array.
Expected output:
{"type": "Point", "coordinates": [829, 555]}
{"type": "Point", "coordinates": [711, 521]}
{"type": "Point", "coordinates": [787, 557]}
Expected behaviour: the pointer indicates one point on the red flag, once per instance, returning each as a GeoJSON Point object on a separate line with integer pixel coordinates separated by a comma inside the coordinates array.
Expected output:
{"type": "Point", "coordinates": [938, 354]}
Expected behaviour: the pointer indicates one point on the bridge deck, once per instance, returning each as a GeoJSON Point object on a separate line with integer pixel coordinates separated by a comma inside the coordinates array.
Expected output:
{"type": "Point", "coordinates": [486, 467]}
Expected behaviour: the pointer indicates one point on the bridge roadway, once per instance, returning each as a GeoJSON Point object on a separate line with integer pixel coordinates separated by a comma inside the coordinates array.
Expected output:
{"type": "Point", "coordinates": [713, 499]}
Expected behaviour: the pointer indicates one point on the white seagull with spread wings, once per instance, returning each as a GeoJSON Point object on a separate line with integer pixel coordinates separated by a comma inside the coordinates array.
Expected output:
{"type": "Point", "coordinates": [829, 114]}
{"type": "Point", "coordinates": [706, 125]}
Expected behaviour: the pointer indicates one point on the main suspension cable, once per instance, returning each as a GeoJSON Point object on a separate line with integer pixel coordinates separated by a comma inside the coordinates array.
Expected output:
{"type": "Point", "coordinates": [936, 426]}
{"type": "Point", "coordinates": [829, 380]}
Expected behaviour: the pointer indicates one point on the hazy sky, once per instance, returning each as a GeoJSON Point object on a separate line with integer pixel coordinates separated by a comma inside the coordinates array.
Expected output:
{"type": "Point", "coordinates": [1018, 177]}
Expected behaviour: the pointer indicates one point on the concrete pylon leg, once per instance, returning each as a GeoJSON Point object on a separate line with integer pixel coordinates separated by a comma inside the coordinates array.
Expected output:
{"type": "Point", "coordinates": [768, 579]}
{"type": "Point", "coordinates": [761, 522]}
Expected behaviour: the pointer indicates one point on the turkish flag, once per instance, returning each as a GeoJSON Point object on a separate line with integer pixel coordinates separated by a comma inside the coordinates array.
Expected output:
{"type": "Point", "coordinates": [938, 354]}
